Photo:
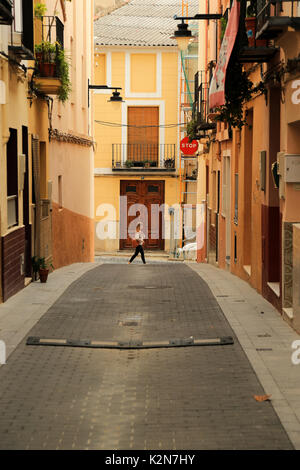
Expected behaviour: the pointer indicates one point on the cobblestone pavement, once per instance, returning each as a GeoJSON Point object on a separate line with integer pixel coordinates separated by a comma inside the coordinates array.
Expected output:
{"type": "Point", "coordinates": [176, 398]}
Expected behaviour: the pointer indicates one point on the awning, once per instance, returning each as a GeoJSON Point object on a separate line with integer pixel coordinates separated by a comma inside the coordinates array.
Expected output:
{"type": "Point", "coordinates": [217, 87]}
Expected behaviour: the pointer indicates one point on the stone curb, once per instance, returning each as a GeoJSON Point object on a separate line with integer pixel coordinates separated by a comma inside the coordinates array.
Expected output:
{"type": "Point", "coordinates": [22, 311]}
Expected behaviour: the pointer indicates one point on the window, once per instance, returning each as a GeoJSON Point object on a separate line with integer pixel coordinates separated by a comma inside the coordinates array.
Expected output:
{"type": "Point", "coordinates": [130, 189]}
{"type": "Point", "coordinates": [143, 141]}
{"type": "Point", "coordinates": [60, 201]}
{"type": "Point", "coordinates": [12, 178]}
{"type": "Point", "coordinates": [23, 41]}
{"type": "Point", "coordinates": [5, 12]}
{"type": "Point", "coordinates": [18, 16]}
{"type": "Point", "coordinates": [143, 65]}
{"type": "Point", "coordinates": [226, 186]}
{"type": "Point", "coordinates": [236, 198]}
{"type": "Point", "coordinates": [152, 189]}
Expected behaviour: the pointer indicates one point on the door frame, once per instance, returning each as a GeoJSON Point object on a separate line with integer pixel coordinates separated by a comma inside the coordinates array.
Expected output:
{"type": "Point", "coordinates": [123, 193]}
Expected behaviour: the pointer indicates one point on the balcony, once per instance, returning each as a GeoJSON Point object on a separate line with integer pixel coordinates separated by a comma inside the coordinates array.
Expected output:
{"type": "Point", "coordinates": [143, 157]}
{"type": "Point", "coordinates": [49, 54]}
{"type": "Point", "coordinates": [257, 50]}
{"type": "Point", "coordinates": [200, 106]}
{"type": "Point", "coordinates": [275, 17]}
{"type": "Point", "coordinates": [52, 30]}
{"type": "Point", "coordinates": [6, 16]}
{"type": "Point", "coordinates": [21, 40]}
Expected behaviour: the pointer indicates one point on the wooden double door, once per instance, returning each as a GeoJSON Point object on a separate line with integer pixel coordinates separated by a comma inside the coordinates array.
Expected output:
{"type": "Point", "coordinates": [144, 198]}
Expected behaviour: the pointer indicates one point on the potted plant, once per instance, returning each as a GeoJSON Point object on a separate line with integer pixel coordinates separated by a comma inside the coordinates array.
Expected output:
{"type": "Point", "coordinates": [51, 61]}
{"type": "Point", "coordinates": [40, 266]}
{"type": "Point", "coordinates": [46, 59]}
{"type": "Point", "coordinates": [170, 163]}
{"type": "Point", "coordinates": [63, 73]}
{"type": "Point", "coordinates": [147, 163]}
{"type": "Point", "coordinates": [39, 10]}
{"type": "Point", "coordinates": [250, 23]}
{"type": "Point", "coordinates": [129, 163]}
{"type": "Point", "coordinates": [238, 91]}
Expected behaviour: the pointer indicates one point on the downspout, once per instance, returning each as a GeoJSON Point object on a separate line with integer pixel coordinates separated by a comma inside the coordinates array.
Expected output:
{"type": "Point", "coordinates": [206, 41]}
{"type": "Point", "coordinates": [4, 136]}
{"type": "Point", "coordinates": [3, 141]}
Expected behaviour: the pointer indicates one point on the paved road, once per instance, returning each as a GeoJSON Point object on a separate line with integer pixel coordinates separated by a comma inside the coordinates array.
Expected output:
{"type": "Point", "coordinates": [177, 398]}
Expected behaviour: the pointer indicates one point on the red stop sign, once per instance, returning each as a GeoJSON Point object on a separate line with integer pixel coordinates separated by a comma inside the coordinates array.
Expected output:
{"type": "Point", "coordinates": [187, 147]}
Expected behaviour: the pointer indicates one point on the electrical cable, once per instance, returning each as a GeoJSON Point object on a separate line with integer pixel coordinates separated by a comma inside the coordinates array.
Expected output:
{"type": "Point", "coordinates": [115, 124]}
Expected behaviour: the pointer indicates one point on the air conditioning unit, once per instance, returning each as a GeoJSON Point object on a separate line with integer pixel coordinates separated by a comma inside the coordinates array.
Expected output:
{"type": "Point", "coordinates": [289, 168]}
{"type": "Point", "coordinates": [16, 39]}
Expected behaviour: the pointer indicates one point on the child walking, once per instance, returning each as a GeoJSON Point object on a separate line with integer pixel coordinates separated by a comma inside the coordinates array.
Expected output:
{"type": "Point", "coordinates": [139, 237]}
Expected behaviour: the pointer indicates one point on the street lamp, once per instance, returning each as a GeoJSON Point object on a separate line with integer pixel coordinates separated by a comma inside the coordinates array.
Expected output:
{"type": "Point", "coordinates": [183, 35]}
{"type": "Point", "coordinates": [115, 97]}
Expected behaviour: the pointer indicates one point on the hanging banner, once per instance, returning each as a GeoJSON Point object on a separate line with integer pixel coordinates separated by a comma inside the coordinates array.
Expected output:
{"type": "Point", "coordinates": [217, 87]}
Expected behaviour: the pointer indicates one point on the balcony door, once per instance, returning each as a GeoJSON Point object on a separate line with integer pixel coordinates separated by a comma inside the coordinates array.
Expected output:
{"type": "Point", "coordinates": [143, 135]}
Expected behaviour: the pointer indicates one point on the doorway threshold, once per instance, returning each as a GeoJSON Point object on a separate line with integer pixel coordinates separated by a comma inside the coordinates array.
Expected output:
{"type": "Point", "coordinates": [247, 269]}
{"type": "Point", "coordinates": [27, 281]}
{"type": "Point", "coordinates": [289, 312]}
{"type": "Point", "coordinates": [275, 287]}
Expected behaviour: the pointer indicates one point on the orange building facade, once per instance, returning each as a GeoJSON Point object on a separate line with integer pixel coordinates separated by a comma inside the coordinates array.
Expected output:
{"type": "Point", "coordinates": [249, 172]}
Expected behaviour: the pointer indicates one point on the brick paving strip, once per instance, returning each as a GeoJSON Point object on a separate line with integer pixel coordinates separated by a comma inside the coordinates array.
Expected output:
{"type": "Point", "coordinates": [176, 398]}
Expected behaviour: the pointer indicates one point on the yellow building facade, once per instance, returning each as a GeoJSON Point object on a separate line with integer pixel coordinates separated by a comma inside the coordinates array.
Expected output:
{"type": "Point", "coordinates": [46, 157]}
{"type": "Point", "coordinates": [136, 169]}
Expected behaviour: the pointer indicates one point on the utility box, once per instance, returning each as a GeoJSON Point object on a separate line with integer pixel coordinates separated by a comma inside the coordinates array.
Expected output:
{"type": "Point", "coordinates": [291, 168]}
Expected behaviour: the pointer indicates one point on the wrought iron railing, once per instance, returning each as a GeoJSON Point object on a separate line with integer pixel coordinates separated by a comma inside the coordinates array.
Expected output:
{"type": "Point", "coordinates": [52, 30]}
{"type": "Point", "coordinates": [201, 105]}
{"type": "Point", "coordinates": [267, 9]}
{"type": "Point", "coordinates": [139, 155]}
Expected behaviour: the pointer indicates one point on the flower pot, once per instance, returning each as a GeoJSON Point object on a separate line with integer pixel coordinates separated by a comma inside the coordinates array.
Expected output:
{"type": "Point", "coordinates": [43, 274]}
{"type": "Point", "coordinates": [47, 69]}
{"type": "Point", "coordinates": [169, 163]}
{"type": "Point", "coordinates": [251, 32]}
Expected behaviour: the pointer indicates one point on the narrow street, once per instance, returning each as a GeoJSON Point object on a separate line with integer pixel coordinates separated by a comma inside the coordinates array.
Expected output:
{"type": "Point", "coordinates": [162, 398]}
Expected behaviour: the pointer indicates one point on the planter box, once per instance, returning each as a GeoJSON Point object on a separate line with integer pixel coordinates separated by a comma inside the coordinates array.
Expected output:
{"type": "Point", "coordinates": [48, 85]}
{"type": "Point", "coordinates": [43, 275]}
{"type": "Point", "coordinates": [47, 69]}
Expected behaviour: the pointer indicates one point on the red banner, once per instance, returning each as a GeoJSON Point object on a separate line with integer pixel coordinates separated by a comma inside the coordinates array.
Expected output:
{"type": "Point", "coordinates": [217, 87]}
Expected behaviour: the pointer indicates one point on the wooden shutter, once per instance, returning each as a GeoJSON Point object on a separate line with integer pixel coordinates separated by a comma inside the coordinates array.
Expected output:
{"type": "Point", "coordinates": [143, 141]}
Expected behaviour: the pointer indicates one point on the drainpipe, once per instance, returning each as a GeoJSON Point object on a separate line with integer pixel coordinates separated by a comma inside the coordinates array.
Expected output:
{"type": "Point", "coordinates": [4, 138]}
{"type": "Point", "coordinates": [172, 247]}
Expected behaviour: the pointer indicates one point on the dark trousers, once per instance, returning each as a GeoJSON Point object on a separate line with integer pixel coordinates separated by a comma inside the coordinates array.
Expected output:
{"type": "Point", "coordinates": [139, 249]}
